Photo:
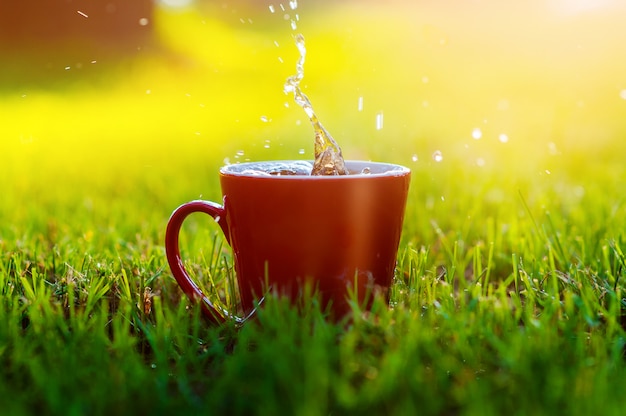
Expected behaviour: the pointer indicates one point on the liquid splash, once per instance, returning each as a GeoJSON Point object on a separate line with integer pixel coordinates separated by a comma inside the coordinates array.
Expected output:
{"type": "Point", "coordinates": [328, 157]}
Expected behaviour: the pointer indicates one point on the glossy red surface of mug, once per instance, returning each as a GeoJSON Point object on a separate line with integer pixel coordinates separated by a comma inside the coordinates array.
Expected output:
{"type": "Point", "coordinates": [338, 233]}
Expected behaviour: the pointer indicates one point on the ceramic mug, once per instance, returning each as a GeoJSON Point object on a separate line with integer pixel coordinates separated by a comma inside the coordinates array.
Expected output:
{"type": "Point", "coordinates": [339, 234]}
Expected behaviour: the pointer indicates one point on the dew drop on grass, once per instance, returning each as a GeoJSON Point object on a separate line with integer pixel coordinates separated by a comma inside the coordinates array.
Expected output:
{"type": "Point", "coordinates": [437, 156]}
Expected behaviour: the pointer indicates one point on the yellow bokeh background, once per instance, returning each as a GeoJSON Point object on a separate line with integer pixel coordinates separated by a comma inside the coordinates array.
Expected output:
{"type": "Point", "coordinates": [519, 88]}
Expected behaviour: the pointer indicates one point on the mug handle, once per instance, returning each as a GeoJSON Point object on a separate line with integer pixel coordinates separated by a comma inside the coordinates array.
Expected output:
{"type": "Point", "coordinates": [215, 313]}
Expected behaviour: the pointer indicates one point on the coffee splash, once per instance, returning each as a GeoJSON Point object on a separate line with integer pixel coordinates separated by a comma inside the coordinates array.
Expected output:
{"type": "Point", "coordinates": [328, 158]}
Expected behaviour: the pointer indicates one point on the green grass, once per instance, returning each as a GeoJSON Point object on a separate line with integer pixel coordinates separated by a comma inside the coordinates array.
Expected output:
{"type": "Point", "coordinates": [509, 293]}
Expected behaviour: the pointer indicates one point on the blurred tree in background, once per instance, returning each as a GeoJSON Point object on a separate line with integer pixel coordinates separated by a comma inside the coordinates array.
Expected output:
{"type": "Point", "coordinates": [36, 23]}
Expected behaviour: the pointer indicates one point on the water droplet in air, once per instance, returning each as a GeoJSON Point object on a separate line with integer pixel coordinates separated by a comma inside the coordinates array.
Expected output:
{"type": "Point", "coordinates": [477, 134]}
{"type": "Point", "coordinates": [414, 158]}
{"type": "Point", "coordinates": [622, 94]}
{"type": "Point", "coordinates": [437, 156]}
{"type": "Point", "coordinates": [301, 151]}
{"type": "Point", "coordinates": [425, 79]}
{"type": "Point", "coordinates": [480, 162]}
{"type": "Point", "coordinates": [276, 43]}
{"type": "Point", "coordinates": [360, 104]}
{"type": "Point", "coordinates": [143, 21]}
{"type": "Point", "coordinates": [379, 121]}
{"type": "Point", "coordinates": [294, 26]}
{"type": "Point", "coordinates": [82, 14]}
{"type": "Point", "coordinates": [264, 119]}
{"type": "Point", "coordinates": [293, 4]}
{"type": "Point", "coordinates": [282, 7]}
{"type": "Point", "coordinates": [503, 138]}
{"type": "Point", "coordinates": [548, 172]}
{"type": "Point", "coordinates": [272, 10]}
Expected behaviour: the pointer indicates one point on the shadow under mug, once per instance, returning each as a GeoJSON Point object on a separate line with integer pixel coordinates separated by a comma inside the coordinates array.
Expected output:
{"type": "Point", "coordinates": [339, 234]}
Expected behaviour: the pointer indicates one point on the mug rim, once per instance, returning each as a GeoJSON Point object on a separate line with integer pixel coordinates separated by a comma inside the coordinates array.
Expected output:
{"type": "Point", "coordinates": [380, 169]}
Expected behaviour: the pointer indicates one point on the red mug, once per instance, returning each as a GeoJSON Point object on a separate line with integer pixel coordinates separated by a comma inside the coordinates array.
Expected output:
{"type": "Point", "coordinates": [339, 234]}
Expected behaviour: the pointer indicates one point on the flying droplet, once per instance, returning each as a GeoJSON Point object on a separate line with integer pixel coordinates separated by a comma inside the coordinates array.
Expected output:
{"type": "Point", "coordinates": [503, 138]}
{"type": "Point", "coordinates": [379, 121]}
{"type": "Point", "coordinates": [272, 9]}
{"type": "Point", "coordinates": [437, 156]}
{"type": "Point", "coordinates": [414, 158]}
{"type": "Point", "coordinates": [477, 134]}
